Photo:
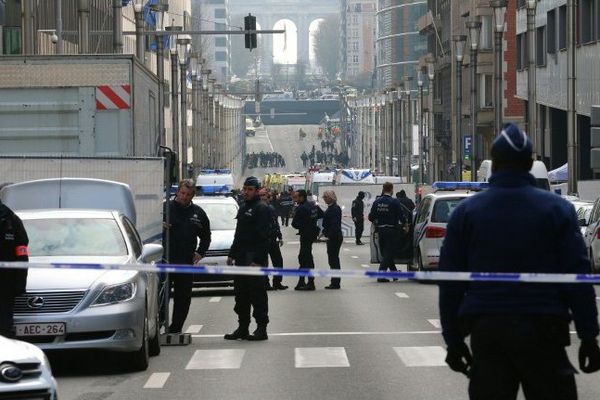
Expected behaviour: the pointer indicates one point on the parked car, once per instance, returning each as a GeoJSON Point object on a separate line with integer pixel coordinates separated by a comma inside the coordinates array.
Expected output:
{"type": "Point", "coordinates": [25, 372]}
{"type": "Point", "coordinates": [592, 236]}
{"type": "Point", "coordinates": [583, 210]}
{"type": "Point", "coordinates": [221, 212]}
{"type": "Point", "coordinates": [114, 310]}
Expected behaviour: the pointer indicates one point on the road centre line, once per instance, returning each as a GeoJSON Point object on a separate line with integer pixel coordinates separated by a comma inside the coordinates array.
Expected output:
{"type": "Point", "coordinates": [157, 380]}
{"type": "Point", "coordinates": [354, 256]}
{"type": "Point", "coordinates": [402, 295]}
{"type": "Point", "coordinates": [365, 265]}
{"type": "Point", "coordinates": [215, 299]}
{"type": "Point", "coordinates": [437, 332]}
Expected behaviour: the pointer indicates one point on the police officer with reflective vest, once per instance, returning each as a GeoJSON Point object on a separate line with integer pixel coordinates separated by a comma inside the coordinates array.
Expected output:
{"type": "Point", "coordinates": [250, 247]}
{"type": "Point", "coordinates": [13, 247]}
{"type": "Point", "coordinates": [305, 220]}
{"type": "Point", "coordinates": [188, 223]}
{"type": "Point", "coordinates": [386, 213]}
{"type": "Point", "coordinates": [275, 241]}
{"type": "Point", "coordinates": [518, 331]}
{"type": "Point", "coordinates": [358, 216]}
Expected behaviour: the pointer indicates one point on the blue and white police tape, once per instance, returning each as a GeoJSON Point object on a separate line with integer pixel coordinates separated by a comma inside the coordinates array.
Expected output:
{"type": "Point", "coordinates": [322, 273]}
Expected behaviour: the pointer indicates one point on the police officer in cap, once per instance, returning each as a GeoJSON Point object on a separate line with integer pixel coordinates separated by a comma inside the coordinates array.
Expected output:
{"type": "Point", "coordinates": [305, 220]}
{"type": "Point", "coordinates": [386, 213]}
{"type": "Point", "coordinates": [358, 216]}
{"type": "Point", "coordinates": [13, 247]}
{"type": "Point", "coordinates": [250, 247]}
{"type": "Point", "coordinates": [518, 331]}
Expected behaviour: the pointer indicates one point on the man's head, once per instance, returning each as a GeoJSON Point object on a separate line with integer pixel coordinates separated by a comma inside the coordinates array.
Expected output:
{"type": "Point", "coordinates": [401, 194]}
{"type": "Point", "coordinates": [250, 188]}
{"type": "Point", "coordinates": [185, 191]}
{"type": "Point", "coordinates": [264, 195]}
{"type": "Point", "coordinates": [361, 195]}
{"type": "Point", "coordinates": [512, 150]}
{"type": "Point", "coordinates": [388, 188]}
{"type": "Point", "coordinates": [301, 196]}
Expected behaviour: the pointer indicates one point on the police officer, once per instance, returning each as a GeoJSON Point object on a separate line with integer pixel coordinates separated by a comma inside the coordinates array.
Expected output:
{"type": "Point", "coordinates": [332, 230]}
{"type": "Point", "coordinates": [285, 206]}
{"type": "Point", "coordinates": [13, 247]}
{"type": "Point", "coordinates": [358, 216]}
{"type": "Point", "coordinates": [386, 213]}
{"type": "Point", "coordinates": [305, 220]}
{"type": "Point", "coordinates": [518, 331]}
{"type": "Point", "coordinates": [250, 247]}
{"type": "Point", "coordinates": [275, 241]}
{"type": "Point", "coordinates": [188, 223]}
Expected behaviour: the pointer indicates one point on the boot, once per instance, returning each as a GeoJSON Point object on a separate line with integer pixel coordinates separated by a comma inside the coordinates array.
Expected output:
{"type": "Point", "coordinates": [301, 284]}
{"type": "Point", "coordinates": [240, 333]}
{"type": "Point", "coordinates": [259, 334]}
{"type": "Point", "coordinates": [309, 286]}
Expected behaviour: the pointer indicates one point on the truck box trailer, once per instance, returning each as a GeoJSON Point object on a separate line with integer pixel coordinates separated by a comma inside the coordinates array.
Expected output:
{"type": "Point", "coordinates": [78, 105]}
{"type": "Point", "coordinates": [143, 175]}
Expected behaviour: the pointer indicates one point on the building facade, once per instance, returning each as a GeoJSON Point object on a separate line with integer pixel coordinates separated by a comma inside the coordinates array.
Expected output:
{"type": "Point", "coordinates": [358, 25]}
{"type": "Point", "coordinates": [215, 49]}
{"type": "Point", "coordinates": [399, 45]}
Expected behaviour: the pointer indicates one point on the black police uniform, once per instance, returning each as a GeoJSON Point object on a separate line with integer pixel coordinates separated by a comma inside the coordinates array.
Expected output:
{"type": "Point", "coordinates": [285, 208]}
{"type": "Point", "coordinates": [386, 213]}
{"type": "Point", "coordinates": [358, 216]}
{"type": "Point", "coordinates": [274, 250]}
{"type": "Point", "coordinates": [251, 245]}
{"type": "Point", "coordinates": [305, 220]}
{"type": "Point", "coordinates": [332, 229]}
{"type": "Point", "coordinates": [188, 224]}
{"type": "Point", "coordinates": [13, 247]}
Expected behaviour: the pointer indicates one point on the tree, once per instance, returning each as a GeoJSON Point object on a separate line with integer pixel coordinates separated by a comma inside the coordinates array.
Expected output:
{"type": "Point", "coordinates": [327, 46]}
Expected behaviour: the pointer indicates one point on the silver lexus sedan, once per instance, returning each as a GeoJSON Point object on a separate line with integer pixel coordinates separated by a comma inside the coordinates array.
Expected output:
{"type": "Point", "coordinates": [89, 308]}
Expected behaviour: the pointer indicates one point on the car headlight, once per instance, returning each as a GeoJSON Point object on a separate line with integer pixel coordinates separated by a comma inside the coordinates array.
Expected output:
{"type": "Point", "coordinates": [116, 294]}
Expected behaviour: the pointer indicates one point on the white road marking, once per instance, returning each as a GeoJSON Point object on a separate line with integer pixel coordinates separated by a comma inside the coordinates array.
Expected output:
{"type": "Point", "coordinates": [435, 322]}
{"type": "Point", "coordinates": [365, 265]}
{"type": "Point", "coordinates": [333, 334]}
{"type": "Point", "coordinates": [346, 249]}
{"type": "Point", "coordinates": [268, 139]}
{"type": "Point", "coordinates": [293, 242]}
{"type": "Point", "coordinates": [157, 380]}
{"type": "Point", "coordinates": [215, 299]}
{"type": "Point", "coordinates": [402, 295]}
{"type": "Point", "coordinates": [216, 359]}
{"type": "Point", "coordinates": [320, 357]}
{"type": "Point", "coordinates": [348, 241]}
{"type": "Point", "coordinates": [354, 256]}
{"type": "Point", "coordinates": [194, 329]}
{"type": "Point", "coordinates": [425, 356]}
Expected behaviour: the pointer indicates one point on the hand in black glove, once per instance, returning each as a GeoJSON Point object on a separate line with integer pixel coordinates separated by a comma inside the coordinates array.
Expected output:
{"type": "Point", "coordinates": [589, 356]}
{"type": "Point", "coordinates": [459, 358]}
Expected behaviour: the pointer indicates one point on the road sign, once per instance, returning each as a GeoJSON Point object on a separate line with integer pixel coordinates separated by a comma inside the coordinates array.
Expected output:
{"type": "Point", "coordinates": [467, 146]}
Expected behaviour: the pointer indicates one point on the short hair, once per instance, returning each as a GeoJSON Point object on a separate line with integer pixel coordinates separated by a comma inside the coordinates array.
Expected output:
{"type": "Point", "coordinates": [302, 192]}
{"type": "Point", "coordinates": [188, 184]}
{"type": "Point", "coordinates": [388, 187]}
{"type": "Point", "coordinates": [330, 194]}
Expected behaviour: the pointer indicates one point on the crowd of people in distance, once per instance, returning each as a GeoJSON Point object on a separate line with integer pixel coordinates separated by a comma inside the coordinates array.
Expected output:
{"type": "Point", "coordinates": [264, 160]}
{"type": "Point", "coordinates": [328, 155]}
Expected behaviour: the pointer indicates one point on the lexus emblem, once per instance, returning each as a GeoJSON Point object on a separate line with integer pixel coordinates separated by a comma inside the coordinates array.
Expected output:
{"type": "Point", "coordinates": [35, 302]}
{"type": "Point", "coordinates": [10, 373]}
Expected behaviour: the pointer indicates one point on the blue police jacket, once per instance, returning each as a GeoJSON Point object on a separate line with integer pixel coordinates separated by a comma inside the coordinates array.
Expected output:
{"type": "Point", "coordinates": [514, 227]}
{"type": "Point", "coordinates": [305, 220]}
{"type": "Point", "coordinates": [386, 212]}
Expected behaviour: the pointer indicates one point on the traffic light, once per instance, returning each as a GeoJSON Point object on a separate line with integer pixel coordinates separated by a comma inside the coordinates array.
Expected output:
{"type": "Point", "coordinates": [250, 25]}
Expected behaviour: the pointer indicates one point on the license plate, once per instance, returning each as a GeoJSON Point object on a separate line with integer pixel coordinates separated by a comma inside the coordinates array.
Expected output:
{"type": "Point", "coordinates": [48, 329]}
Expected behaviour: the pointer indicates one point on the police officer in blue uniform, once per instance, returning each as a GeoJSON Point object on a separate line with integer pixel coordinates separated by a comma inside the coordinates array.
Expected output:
{"type": "Point", "coordinates": [305, 220]}
{"type": "Point", "coordinates": [275, 241]}
{"type": "Point", "coordinates": [250, 247]}
{"type": "Point", "coordinates": [332, 230]}
{"type": "Point", "coordinates": [518, 331]}
{"type": "Point", "coordinates": [386, 213]}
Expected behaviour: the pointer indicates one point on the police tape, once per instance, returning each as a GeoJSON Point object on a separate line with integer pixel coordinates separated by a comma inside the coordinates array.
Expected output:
{"type": "Point", "coordinates": [321, 273]}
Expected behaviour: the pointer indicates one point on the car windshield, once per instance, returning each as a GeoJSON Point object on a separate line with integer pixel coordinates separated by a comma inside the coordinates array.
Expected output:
{"type": "Point", "coordinates": [221, 216]}
{"type": "Point", "coordinates": [74, 237]}
{"type": "Point", "coordinates": [443, 208]}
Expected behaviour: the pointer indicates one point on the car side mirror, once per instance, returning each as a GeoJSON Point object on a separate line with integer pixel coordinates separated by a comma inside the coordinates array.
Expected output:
{"type": "Point", "coordinates": [151, 253]}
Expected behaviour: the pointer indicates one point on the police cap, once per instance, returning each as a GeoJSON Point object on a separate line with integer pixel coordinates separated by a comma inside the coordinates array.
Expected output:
{"type": "Point", "coordinates": [512, 144]}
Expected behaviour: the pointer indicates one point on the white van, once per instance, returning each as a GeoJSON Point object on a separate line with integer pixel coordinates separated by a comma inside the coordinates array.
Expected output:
{"type": "Point", "coordinates": [538, 170]}
{"type": "Point", "coordinates": [214, 181]}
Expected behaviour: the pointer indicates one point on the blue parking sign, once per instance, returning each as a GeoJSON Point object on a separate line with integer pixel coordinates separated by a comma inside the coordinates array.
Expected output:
{"type": "Point", "coordinates": [467, 146]}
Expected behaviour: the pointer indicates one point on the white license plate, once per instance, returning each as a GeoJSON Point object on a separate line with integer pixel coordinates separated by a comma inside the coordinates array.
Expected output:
{"type": "Point", "coordinates": [49, 329]}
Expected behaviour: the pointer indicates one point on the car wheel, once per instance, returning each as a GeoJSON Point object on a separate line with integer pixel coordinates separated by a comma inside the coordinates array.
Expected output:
{"type": "Point", "coordinates": [140, 359]}
{"type": "Point", "coordinates": [154, 343]}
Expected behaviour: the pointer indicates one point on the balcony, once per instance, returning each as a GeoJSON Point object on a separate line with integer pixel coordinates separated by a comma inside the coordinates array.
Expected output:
{"type": "Point", "coordinates": [426, 23]}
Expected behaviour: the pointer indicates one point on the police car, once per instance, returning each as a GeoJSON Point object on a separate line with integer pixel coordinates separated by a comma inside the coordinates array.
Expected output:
{"type": "Point", "coordinates": [432, 216]}
{"type": "Point", "coordinates": [592, 236]}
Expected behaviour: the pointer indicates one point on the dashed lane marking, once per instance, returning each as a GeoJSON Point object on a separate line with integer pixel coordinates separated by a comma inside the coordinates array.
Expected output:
{"type": "Point", "coordinates": [354, 256]}
{"type": "Point", "coordinates": [402, 295]}
{"type": "Point", "coordinates": [320, 357]}
{"type": "Point", "coordinates": [346, 249]}
{"type": "Point", "coordinates": [424, 356]}
{"type": "Point", "coordinates": [365, 265]}
{"type": "Point", "coordinates": [437, 332]}
{"type": "Point", "coordinates": [194, 329]}
{"type": "Point", "coordinates": [215, 299]}
{"type": "Point", "coordinates": [216, 359]}
{"type": "Point", "coordinates": [157, 380]}
{"type": "Point", "coordinates": [435, 322]}
{"type": "Point", "coordinates": [293, 242]}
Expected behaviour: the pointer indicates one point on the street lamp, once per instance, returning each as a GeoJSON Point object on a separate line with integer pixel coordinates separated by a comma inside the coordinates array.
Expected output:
{"type": "Point", "coordinates": [174, 86]}
{"type": "Point", "coordinates": [431, 79]}
{"type": "Point", "coordinates": [474, 27]}
{"type": "Point", "coordinates": [204, 128]}
{"type": "Point", "coordinates": [499, 7]}
{"type": "Point", "coordinates": [138, 9]}
{"type": "Point", "coordinates": [195, 119]}
{"type": "Point", "coordinates": [420, 144]}
{"type": "Point", "coordinates": [408, 125]}
{"type": "Point", "coordinates": [459, 48]}
{"type": "Point", "coordinates": [160, 9]}
{"type": "Point", "coordinates": [183, 43]}
{"type": "Point", "coordinates": [531, 78]}
{"type": "Point", "coordinates": [390, 98]}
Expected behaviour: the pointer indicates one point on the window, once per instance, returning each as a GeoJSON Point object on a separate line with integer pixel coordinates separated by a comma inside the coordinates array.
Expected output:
{"type": "Point", "coordinates": [220, 42]}
{"type": "Point", "coordinates": [487, 26]}
{"type": "Point", "coordinates": [355, 46]}
{"type": "Point", "coordinates": [586, 27]}
{"type": "Point", "coordinates": [355, 33]}
{"type": "Point", "coordinates": [540, 46]}
{"type": "Point", "coordinates": [355, 58]}
{"type": "Point", "coordinates": [220, 56]}
{"type": "Point", "coordinates": [562, 28]}
{"type": "Point", "coordinates": [219, 13]}
{"type": "Point", "coordinates": [486, 99]}
{"type": "Point", "coordinates": [220, 27]}
{"type": "Point", "coordinates": [551, 33]}
{"type": "Point", "coordinates": [520, 60]}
